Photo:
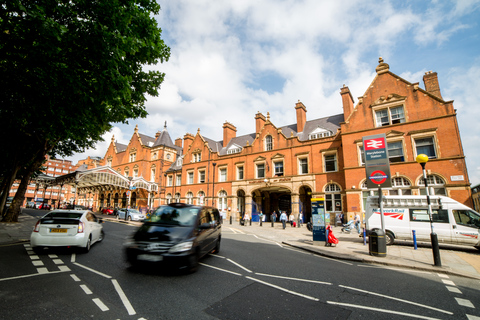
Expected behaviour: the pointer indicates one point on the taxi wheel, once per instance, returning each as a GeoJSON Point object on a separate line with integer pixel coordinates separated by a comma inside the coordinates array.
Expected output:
{"type": "Point", "coordinates": [88, 245]}
{"type": "Point", "coordinates": [102, 236]}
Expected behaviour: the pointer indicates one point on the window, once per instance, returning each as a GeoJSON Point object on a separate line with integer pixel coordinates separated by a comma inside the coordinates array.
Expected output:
{"type": "Point", "coordinates": [240, 173]}
{"type": "Point", "coordinates": [189, 198]}
{"type": "Point", "coordinates": [223, 175]}
{"type": "Point", "coordinates": [278, 168]}
{"type": "Point", "coordinates": [421, 215]}
{"type": "Point", "coordinates": [260, 170]}
{"type": "Point", "coordinates": [169, 181]}
{"type": "Point", "coordinates": [234, 149]}
{"type": "Point", "coordinates": [467, 218]}
{"type": "Point", "coordinates": [133, 157]}
{"type": "Point", "coordinates": [177, 197]}
{"type": "Point", "coordinates": [190, 177]}
{"type": "Point", "coordinates": [268, 143]}
{"type": "Point", "coordinates": [152, 174]}
{"type": "Point", "coordinates": [320, 133]}
{"type": "Point", "coordinates": [197, 157]}
{"type": "Point", "coordinates": [333, 198]}
{"type": "Point", "coordinates": [395, 151]}
{"type": "Point", "coordinates": [135, 173]}
{"type": "Point", "coordinates": [154, 156]}
{"type": "Point", "coordinates": [330, 162]}
{"type": "Point", "coordinates": [436, 185]}
{"type": "Point", "coordinates": [400, 186]}
{"type": "Point", "coordinates": [388, 116]}
{"type": "Point", "coordinates": [178, 180]}
{"type": "Point", "coordinates": [303, 166]}
{"type": "Point", "coordinates": [222, 200]}
{"type": "Point", "coordinates": [201, 197]}
{"type": "Point", "coordinates": [426, 146]}
{"type": "Point", "coordinates": [201, 176]}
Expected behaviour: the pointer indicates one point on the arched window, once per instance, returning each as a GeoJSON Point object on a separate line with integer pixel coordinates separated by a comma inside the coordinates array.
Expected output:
{"type": "Point", "coordinates": [333, 198]}
{"type": "Point", "coordinates": [201, 197]}
{"type": "Point", "coordinates": [222, 200]}
{"type": "Point", "coordinates": [268, 143]}
{"type": "Point", "coordinates": [436, 185]}
{"type": "Point", "coordinates": [400, 186]}
{"type": "Point", "coordinates": [177, 197]}
{"type": "Point", "coordinates": [169, 198]}
{"type": "Point", "coordinates": [190, 198]}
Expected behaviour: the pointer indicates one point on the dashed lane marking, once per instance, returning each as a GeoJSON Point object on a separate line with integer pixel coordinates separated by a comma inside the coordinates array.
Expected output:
{"type": "Point", "coordinates": [86, 289]}
{"type": "Point", "coordinates": [464, 302]}
{"type": "Point", "coordinates": [100, 304]}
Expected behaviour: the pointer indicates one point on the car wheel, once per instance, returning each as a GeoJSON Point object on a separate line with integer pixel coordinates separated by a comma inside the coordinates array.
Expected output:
{"type": "Point", "coordinates": [88, 245]}
{"type": "Point", "coordinates": [216, 250]}
{"type": "Point", "coordinates": [102, 236]}
{"type": "Point", "coordinates": [389, 238]}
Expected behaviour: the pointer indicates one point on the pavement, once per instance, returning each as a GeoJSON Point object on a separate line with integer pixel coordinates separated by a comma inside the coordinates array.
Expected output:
{"type": "Point", "coordinates": [462, 261]}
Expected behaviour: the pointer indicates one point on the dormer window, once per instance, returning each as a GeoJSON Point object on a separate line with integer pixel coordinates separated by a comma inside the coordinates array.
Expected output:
{"type": "Point", "coordinates": [196, 157]}
{"type": "Point", "coordinates": [133, 157]}
{"type": "Point", "coordinates": [320, 133]}
{"type": "Point", "coordinates": [234, 149]}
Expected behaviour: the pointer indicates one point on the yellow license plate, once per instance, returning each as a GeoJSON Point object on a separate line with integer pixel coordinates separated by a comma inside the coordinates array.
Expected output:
{"type": "Point", "coordinates": [57, 230]}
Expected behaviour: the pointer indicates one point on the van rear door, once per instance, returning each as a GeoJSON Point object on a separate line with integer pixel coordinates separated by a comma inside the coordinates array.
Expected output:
{"type": "Point", "coordinates": [465, 229]}
{"type": "Point", "coordinates": [420, 222]}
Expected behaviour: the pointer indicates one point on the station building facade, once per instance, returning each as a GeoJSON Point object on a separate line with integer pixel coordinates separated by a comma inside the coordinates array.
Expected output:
{"type": "Point", "coordinates": [281, 168]}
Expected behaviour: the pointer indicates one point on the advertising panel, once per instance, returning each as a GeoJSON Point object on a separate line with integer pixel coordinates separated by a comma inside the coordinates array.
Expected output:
{"type": "Point", "coordinates": [377, 165]}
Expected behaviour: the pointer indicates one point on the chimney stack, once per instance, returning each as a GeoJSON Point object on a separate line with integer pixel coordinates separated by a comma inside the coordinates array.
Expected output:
{"type": "Point", "coordinates": [229, 132]}
{"type": "Point", "coordinates": [301, 115]}
{"type": "Point", "coordinates": [430, 79]}
{"type": "Point", "coordinates": [178, 142]}
{"type": "Point", "coordinates": [259, 121]}
{"type": "Point", "coordinates": [347, 101]}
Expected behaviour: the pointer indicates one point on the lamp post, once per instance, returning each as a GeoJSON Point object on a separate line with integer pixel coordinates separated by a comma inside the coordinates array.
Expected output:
{"type": "Point", "coordinates": [422, 159]}
{"type": "Point", "coordinates": [214, 164]}
{"type": "Point", "coordinates": [129, 196]}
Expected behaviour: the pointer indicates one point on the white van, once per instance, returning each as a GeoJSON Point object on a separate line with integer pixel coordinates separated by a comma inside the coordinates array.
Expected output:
{"type": "Point", "coordinates": [453, 222]}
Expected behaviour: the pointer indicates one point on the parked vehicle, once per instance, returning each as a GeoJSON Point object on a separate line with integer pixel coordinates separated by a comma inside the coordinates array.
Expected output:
{"type": "Point", "coordinates": [107, 211]}
{"type": "Point", "coordinates": [176, 235]}
{"type": "Point", "coordinates": [131, 214]}
{"type": "Point", "coordinates": [45, 206]}
{"type": "Point", "coordinates": [65, 228]}
{"type": "Point", "coordinates": [453, 222]}
{"type": "Point", "coordinates": [30, 204]}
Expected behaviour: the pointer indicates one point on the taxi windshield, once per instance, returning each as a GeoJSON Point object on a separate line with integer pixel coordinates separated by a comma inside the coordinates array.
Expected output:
{"type": "Point", "coordinates": [174, 216]}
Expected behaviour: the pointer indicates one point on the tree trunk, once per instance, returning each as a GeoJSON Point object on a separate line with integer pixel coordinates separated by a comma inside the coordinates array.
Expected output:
{"type": "Point", "coordinates": [6, 185]}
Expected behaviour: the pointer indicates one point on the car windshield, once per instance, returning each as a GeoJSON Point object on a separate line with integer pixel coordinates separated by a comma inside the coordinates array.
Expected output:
{"type": "Point", "coordinates": [64, 214]}
{"type": "Point", "coordinates": [134, 211]}
{"type": "Point", "coordinates": [174, 216]}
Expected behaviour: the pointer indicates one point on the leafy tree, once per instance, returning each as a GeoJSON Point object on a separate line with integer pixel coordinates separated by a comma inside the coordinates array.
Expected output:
{"type": "Point", "coordinates": [68, 69]}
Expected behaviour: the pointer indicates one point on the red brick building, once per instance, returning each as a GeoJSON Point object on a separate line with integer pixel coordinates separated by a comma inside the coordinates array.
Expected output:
{"type": "Point", "coordinates": [284, 167]}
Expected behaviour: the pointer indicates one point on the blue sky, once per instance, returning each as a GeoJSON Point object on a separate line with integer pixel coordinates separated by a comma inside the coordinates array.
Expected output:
{"type": "Point", "coordinates": [231, 59]}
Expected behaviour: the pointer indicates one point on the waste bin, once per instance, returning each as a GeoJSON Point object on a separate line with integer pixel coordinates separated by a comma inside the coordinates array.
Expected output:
{"type": "Point", "coordinates": [377, 244]}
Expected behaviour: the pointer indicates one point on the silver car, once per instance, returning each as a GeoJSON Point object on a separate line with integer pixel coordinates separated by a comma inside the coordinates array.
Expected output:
{"type": "Point", "coordinates": [65, 228]}
{"type": "Point", "coordinates": [131, 214]}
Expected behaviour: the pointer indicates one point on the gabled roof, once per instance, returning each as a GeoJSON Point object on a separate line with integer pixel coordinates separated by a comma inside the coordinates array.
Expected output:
{"type": "Point", "coordinates": [146, 140]}
{"type": "Point", "coordinates": [120, 147]}
{"type": "Point", "coordinates": [331, 123]}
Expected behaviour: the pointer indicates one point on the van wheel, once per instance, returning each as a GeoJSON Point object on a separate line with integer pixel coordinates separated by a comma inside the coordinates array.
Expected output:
{"type": "Point", "coordinates": [389, 238]}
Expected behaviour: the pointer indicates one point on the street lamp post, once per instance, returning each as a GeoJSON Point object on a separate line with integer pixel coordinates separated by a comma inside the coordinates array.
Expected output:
{"type": "Point", "coordinates": [422, 159]}
{"type": "Point", "coordinates": [214, 164]}
{"type": "Point", "coordinates": [129, 196]}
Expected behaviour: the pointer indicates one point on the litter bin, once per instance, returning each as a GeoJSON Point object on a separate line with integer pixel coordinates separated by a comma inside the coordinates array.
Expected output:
{"type": "Point", "coordinates": [377, 245]}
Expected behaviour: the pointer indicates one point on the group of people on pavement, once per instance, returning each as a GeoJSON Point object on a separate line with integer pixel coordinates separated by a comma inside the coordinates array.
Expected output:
{"type": "Point", "coordinates": [283, 218]}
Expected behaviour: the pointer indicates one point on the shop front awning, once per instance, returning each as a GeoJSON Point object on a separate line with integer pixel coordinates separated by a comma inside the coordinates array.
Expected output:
{"type": "Point", "coordinates": [103, 178]}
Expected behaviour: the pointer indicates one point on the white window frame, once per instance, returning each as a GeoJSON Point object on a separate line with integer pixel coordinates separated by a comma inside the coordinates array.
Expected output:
{"type": "Point", "coordinates": [133, 157]}
{"type": "Point", "coordinates": [189, 199]}
{"type": "Point", "coordinates": [152, 174]}
{"type": "Point", "coordinates": [268, 143]}
{"type": "Point", "coordinates": [403, 151]}
{"type": "Point", "coordinates": [431, 135]}
{"type": "Point", "coordinates": [240, 170]}
{"type": "Point", "coordinates": [280, 174]}
{"type": "Point", "coordinates": [222, 174]}
{"type": "Point", "coordinates": [201, 174]}
{"type": "Point", "coordinates": [335, 159]}
{"type": "Point", "coordinates": [299, 161]}
{"type": "Point", "coordinates": [169, 180]}
{"type": "Point", "coordinates": [391, 119]}
{"type": "Point", "coordinates": [257, 168]}
{"type": "Point", "coordinates": [178, 179]}
{"type": "Point", "coordinates": [190, 177]}
{"type": "Point", "coordinates": [222, 200]}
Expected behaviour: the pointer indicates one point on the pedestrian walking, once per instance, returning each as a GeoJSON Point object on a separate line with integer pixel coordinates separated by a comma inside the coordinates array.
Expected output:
{"type": "Point", "coordinates": [300, 219]}
{"type": "Point", "coordinates": [357, 222]}
{"type": "Point", "coordinates": [274, 216]}
{"type": "Point", "coordinates": [291, 218]}
{"type": "Point", "coordinates": [283, 219]}
{"type": "Point", "coordinates": [246, 219]}
{"type": "Point", "coordinates": [260, 218]}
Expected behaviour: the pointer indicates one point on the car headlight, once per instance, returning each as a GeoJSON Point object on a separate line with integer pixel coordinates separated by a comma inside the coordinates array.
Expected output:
{"type": "Point", "coordinates": [181, 247]}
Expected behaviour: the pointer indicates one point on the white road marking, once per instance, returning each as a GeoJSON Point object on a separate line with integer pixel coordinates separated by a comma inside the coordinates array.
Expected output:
{"type": "Point", "coordinates": [42, 270]}
{"type": "Point", "coordinates": [123, 297]}
{"type": "Point", "coordinates": [237, 231]}
{"type": "Point", "coordinates": [454, 289]}
{"type": "Point", "coordinates": [224, 270]}
{"type": "Point", "coordinates": [52, 256]}
{"type": "Point", "coordinates": [85, 289]}
{"type": "Point", "coordinates": [283, 289]}
{"type": "Point", "coordinates": [443, 275]}
{"type": "Point", "coordinates": [382, 310]}
{"type": "Point", "coordinates": [396, 299]}
{"type": "Point", "coordinates": [100, 304]}
{"type": "Point", "coordinates": [238, 265]}
{"type": "Point", "coordinates": [64, 268]}
{"type": "Point", "coordinates": [448, 282]}
{"type": "Point", "coordinates": [75, 278]}
{"type": "Point", "coordinates": [464, 302]}
{"type": "Point", "coordinates": [34, 257]}
{"type": "Point", "coordinates": [92, 270]}
{"type": "Point", "coordinates": [296, 279]}
{"type": "Point", "coordinates": [470, 317]}
{"type": "Point", "coordinates": [395, 269]}
{"type": "Point", "coordinates": [30, 275]}
{"type": "Point", "coordinates": [334, 260]}
{"type": "Point", "coordinates": [37, 263]}
{"type": "Point", "coordinates": [74, 256]}
{"type": "Point", "coordinates": [216, 256]}
{"type": "Point", "coordinates": [57, 261]}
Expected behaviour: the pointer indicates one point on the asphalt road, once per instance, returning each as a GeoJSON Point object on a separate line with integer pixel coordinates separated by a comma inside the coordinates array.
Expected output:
{"type": "Point", "coordinates": [251, 278]}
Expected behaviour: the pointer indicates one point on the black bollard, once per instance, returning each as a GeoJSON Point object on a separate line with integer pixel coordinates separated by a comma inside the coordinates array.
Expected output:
{"type": "Point", "coordinates": [230, 219]}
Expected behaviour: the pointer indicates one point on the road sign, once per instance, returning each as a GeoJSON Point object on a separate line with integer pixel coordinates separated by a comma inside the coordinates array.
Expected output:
{"type": "Point", "coordinates": [377, 165]}
{"type": "Point", "coordinates": [133, 188]}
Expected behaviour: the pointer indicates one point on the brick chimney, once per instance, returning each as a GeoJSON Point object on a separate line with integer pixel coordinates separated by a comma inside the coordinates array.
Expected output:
{"type": "Point", "coordinates": [178, 142]}
{"type": "Point", "coordinates": [259, 121]}
{"type": "Point", "coordinates": [301, 115]}
{"type": "Point", "coordinates": [229, 132]}
{"type": "Point", "coordinates": [187, 141]}
{"type": "Point", "coordinates": [430, 79]}
{"type": "Point", "coordinates": [347, 101]}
